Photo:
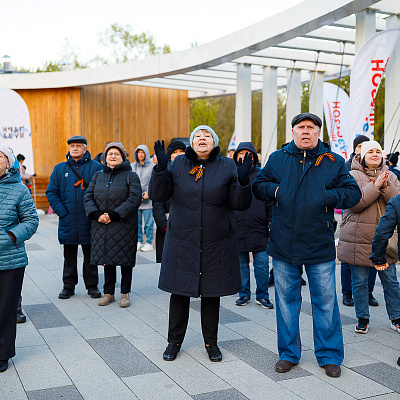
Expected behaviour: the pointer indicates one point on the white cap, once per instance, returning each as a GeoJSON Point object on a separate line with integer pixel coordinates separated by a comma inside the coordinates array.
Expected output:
{"type": "Point", "coordinates": [367, 146]}
{"type": "Point", "coordinates": [9, 154]}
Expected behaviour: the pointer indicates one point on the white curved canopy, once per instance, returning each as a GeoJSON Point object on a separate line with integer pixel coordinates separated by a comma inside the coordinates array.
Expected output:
{"type": "Point", "coordinates": [314, 35]}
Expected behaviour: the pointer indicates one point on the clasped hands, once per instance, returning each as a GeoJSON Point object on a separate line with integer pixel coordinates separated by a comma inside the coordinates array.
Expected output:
{"type": "Point", "coordinates": [382, 267]}
{"type": "Point", "coordinates": [381, 181]}
{"type": "Point", "coordinates": [104, 219]}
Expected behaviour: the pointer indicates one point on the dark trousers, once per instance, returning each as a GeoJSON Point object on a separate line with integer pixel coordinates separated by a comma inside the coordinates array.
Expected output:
{"type": "Point", "coordinates": [110, 277]}
{"type": "Point", "coordinates": [179, 318]}
{"type": "Point", "coordinates": [345, 274]}
{"type": "Point", "coordinates": [70, 273]}
{"type": "Point", "coordinates": [10, 291]}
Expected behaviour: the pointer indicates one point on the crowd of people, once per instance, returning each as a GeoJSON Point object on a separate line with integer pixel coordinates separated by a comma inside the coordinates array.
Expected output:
{"type": "Point", "coordinates": [213, 215]}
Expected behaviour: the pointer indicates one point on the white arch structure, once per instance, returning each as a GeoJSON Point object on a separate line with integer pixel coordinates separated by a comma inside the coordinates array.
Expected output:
{"type": "Point", "coordinates": [310, 42]}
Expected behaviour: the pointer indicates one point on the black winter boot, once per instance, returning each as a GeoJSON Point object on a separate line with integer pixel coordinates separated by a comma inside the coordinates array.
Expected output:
{"type": "Point", "coordinates": [21, 318]}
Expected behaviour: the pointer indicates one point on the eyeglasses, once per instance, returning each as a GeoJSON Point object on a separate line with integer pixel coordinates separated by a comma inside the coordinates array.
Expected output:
{"type": "Point", "coordinates": [113, 154]}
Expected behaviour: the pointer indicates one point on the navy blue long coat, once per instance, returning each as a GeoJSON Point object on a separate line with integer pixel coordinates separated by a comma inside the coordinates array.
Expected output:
{"type": "Point", "coordinates": [200, 256]}
{"type": "Point", "coordinates": [302, 214]}
{"type": "Point", "coordinates": [66, 199]}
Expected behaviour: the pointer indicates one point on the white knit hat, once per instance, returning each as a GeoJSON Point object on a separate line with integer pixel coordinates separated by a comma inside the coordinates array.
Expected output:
{"type": "Point", "coordinates": [8, 153]}
{"type": "Point", "coordinates": [367, 146]}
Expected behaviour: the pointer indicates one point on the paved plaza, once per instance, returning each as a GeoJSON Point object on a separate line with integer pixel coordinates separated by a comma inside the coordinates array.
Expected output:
{"type": "Point", "coordinates": [74, 349]}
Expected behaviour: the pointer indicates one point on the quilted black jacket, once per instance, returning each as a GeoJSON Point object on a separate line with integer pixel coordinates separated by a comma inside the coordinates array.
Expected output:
{"type": "Point", "coordinates": [114, 243]}
{"type": "Point", "coordinates": [200, 255]}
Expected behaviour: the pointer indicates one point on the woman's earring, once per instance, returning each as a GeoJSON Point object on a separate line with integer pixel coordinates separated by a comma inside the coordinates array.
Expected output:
{"type": "Point", "coordinates": [7, 170]}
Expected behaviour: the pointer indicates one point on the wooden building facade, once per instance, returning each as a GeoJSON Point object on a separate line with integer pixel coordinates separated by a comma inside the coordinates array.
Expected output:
{"type": "Point", "coordinates": [130, 114]}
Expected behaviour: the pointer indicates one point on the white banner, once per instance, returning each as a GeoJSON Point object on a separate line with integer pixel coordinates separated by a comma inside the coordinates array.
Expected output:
{"type": "Point", "coordinates": [337, 118]}
{"type": "Point", "coordinates": [366, 75]}
{"type": "Point", "coordinates": [15, 126]}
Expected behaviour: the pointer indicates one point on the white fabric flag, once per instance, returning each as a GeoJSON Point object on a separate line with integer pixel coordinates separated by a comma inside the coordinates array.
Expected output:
{"type": "Point", "coordinates": [232, 143]}
{"type": "Point", "coordinates": [337, 118]}
{"type": "Point", "coordinates": [15, 126]}
{"type": "Point", "coordinates": [365, 78]}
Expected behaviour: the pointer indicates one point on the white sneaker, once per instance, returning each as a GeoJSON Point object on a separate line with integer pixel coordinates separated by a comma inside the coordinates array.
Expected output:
{"type": "Point", "coordinates": [139, 245]}
{"type": "Point", "coordinates": [395, 327]}
{"type": "Point", "coordinates": [147, 247]}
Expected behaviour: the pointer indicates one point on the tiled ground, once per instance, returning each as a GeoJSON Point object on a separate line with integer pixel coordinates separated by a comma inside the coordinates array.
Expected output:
{"type": "Point", "coordinates": [74, 349]}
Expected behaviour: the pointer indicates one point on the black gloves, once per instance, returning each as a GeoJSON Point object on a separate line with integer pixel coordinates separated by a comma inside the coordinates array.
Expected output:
{"type": "Point", "coordinates": [162, 158]}
{"type": "Point", "coordinates": [243, 169]}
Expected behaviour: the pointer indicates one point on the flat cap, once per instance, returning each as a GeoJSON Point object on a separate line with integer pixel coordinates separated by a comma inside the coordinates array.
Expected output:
{"type": "Point", "coordinates": [301, 117]}
{"type": "Point", "coordinates": [77, 139]}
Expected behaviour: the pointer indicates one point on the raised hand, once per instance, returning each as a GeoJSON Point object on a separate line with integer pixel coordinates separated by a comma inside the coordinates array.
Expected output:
{"type": "Point", "coordinates": [163, 159]}
{"type": "Point", "coordinates": [243, 169]}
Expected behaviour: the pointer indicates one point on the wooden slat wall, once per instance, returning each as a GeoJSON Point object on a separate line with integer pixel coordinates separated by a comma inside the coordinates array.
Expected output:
{"type": "Point", "coordinates": [133, 115]}
{"type": "Point", "coordinates": [55, 116]}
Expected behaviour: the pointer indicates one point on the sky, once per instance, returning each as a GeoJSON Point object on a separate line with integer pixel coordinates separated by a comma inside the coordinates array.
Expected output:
{"type": "Point", "coordinates": [35, 32]}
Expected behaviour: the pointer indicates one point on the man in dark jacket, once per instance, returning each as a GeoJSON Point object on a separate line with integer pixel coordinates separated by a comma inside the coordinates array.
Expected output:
{"type": "Point", "coordinates": [161, 210]}
{"type": "Point", "coordinates": [67, 186]}
{"type": "Point", "coordinates": [252, 231]}
{"type": "Point", "coordinates": [306, 181]}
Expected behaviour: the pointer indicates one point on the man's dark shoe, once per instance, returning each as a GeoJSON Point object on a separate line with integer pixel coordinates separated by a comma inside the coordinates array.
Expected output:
{"type": "Point", "coordinates": [373, 302]}
{"type": "Point", "coordinates": [94, 293]}
{"type": "Point", "coordinates": [348, 300]}
{"type": "Point", "coordinates": [3, 365]}
{"type": "Point", "coordinates": [283, 366]}
{"type": "Point", "coordinates": [332, 370]}
{"type": "Point", "coordinates": [264, 303]}
{"type": "Point", "coordinates": [214, 353]}
{"type": "Point", "coordinates": [242, 301]}
{"type": "Point", "coordinates": [21, 318]}
{"type": "Point", "coordinates": [66, 294]}
{"type": "Point", "coordinates": [171, 351]}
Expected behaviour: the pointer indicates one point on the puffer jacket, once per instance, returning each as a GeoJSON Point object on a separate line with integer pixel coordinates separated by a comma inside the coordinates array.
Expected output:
{"type": "Point", "coordinates": [115, 191]}
{"type": "Point", "coordinates": [144, 173]}
{"type": "Point", "coordinates": [359, 222]}
{"type": "Point", "coordinates": [200, 256]}
{"type": "Point", "coordinates": [311, 184]}
{"type": "Point", "coordinates": [66, 198]}
{"type": "Point", "coordinates": [18, 216]}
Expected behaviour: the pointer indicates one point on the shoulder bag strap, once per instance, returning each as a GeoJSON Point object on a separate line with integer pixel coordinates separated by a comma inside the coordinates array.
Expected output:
{"type": "Point", "coordinates": [80, 180]}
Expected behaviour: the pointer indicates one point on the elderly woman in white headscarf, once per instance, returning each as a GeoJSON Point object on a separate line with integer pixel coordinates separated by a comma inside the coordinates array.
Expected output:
{"type": "Point", "coordinates": [18, 222]}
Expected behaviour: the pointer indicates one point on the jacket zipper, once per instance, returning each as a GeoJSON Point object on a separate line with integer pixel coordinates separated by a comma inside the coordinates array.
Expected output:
{"type": "Point", "coordinates": [77, 204]}
{"type": "Point", "coordinates": [108, 195]}
{"type": "Point", "coordinates": [201, 223]}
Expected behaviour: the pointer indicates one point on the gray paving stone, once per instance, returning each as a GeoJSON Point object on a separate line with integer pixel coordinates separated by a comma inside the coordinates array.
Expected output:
{"type": "Point", "coordinates": [122, 357]}
{"type": "Point", "coordinates": [46, 316]}
{"type": "Point", "coordinates": [306, 308]}
{"type": "Point", "coordinates": [260, 358]}
{"type": "Point", "coordinates": [225, 316]}
{"type": "Point", "coordinates": [149, 387]}
{"type": "Point", "coordinates": [62, 392]}
{"type": "Point", "coordinates": [143, 260]}
{"type": "Point", "coordinates": [382, 373]}
{"type": "Point", "coordinates": [229, 394]}
{"type": "Point", "coordinates": [33, 247]}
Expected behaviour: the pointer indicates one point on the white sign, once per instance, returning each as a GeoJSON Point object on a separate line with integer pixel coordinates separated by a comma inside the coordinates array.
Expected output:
{"type": "Point", "coordinates": [337, 117]}
{"type": "Point", "coordinates": [366, 75]}
{"type": "Point", "coordinates": [15, 126]}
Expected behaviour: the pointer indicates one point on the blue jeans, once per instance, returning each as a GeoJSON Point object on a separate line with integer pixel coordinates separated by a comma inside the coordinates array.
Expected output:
{"type": "Point", "coordinates": [391, 290]}
{"type": "Point", "coordinates": [328, 337]}
{"type": "Point", "coordinates": [261, 273]}
{"type": "Point", "coordinates": [147, 215]}
{"type": "Point", "coordinates": [345, 275]}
